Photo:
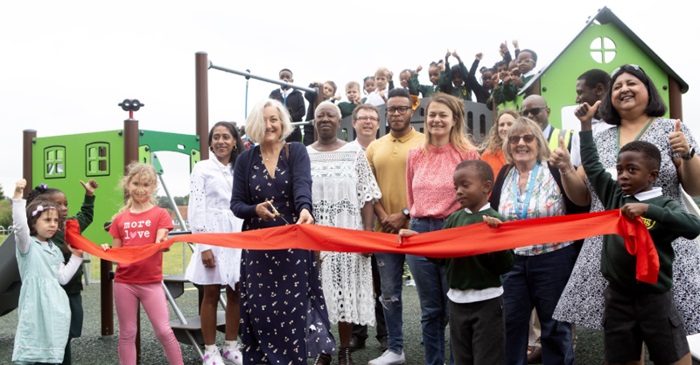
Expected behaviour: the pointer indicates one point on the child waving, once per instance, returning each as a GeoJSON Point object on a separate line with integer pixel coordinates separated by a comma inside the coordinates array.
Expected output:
{"type": "Point", "coordinates": [44, 312]}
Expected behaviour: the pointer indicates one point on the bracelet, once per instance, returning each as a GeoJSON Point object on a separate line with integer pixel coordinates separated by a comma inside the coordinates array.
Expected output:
{"type": "Point", "coordinates": [567, 171]}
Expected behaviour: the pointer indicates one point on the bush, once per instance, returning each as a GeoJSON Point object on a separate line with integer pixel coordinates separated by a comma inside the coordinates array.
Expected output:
{"type": "Point", "coordinates": [5, 213]}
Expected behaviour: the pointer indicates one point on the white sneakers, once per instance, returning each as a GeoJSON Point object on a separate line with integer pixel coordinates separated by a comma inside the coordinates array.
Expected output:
{"type": "Point", "coordinates": [232, 356]}
{"type": "Point", "coordinates": [389, 358]}
{"type": "Point", "coordinates": [212, 358]}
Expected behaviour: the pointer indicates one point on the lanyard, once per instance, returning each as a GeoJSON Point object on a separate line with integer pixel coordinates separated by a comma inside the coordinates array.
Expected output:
{"type": "Point", "coordinates": [641, 133]}
{"type": "Point", "coordinates": [528, 191]}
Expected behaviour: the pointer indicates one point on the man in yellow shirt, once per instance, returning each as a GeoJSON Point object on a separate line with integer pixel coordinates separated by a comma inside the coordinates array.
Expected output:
{"type": "Point", "coordinates": [387, 157]}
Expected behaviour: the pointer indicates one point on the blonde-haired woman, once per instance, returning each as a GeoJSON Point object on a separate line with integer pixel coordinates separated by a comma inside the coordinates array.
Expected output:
{"type": "Point", "coordinates": [492, 151]}
{"type": "Point", "coordinates": [431, 198]}
{"type": "Point", "coordinates": [281, 295]}
{"type": "Point", "coordinates": [528, 187]}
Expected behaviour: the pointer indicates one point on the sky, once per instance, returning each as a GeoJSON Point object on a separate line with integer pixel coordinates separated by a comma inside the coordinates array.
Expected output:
{"type": "Point", "coordinates": [66, 65]}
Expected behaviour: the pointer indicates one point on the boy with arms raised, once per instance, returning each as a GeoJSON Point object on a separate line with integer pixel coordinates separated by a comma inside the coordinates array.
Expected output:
{"type": "Point", "coordinates": [637, 312]}
{"type": "Point", "coordinates": [477, 327]}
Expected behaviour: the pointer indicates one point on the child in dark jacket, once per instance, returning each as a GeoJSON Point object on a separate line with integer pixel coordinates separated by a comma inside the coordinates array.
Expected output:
{"type": "Point", "coordinates": [637, 312]}
{"type": "Point", "coordinates": [477, 327]}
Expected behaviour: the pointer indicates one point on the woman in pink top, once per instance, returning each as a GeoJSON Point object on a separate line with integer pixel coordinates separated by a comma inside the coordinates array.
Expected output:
{"type": "Point", "coordinates": [431, 199]}
{"type": "Point", "coordinates": [493, 146]}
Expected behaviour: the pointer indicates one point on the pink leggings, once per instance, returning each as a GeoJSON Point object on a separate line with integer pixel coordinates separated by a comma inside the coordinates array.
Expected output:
{"type": "Point", "coordinates": [152, 297]}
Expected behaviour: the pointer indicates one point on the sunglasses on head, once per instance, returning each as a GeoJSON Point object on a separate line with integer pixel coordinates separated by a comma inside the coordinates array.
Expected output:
{"type": "Point", "coordinates": [526, 137]}
{"type": "Point", "coordinates": [533, 111]}
{"type": "Point", "coordinates": [626, 68]}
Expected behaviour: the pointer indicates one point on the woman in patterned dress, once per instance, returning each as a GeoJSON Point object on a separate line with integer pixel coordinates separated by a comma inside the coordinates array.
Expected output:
{"type": "Point", "coordinates": [343, 190]}
{"type": "Point", "coordinates": [635, 107]}
{"type": "Point", "coordinates": [211, 184]}
{"type": "Point", "coordinates": [431, 199]}
{"type": "Point", "coordinates": [283, 313]}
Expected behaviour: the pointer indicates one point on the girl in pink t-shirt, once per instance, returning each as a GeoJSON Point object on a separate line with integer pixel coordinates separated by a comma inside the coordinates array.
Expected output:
{"type": "Point", "coordinates": [140, 222]}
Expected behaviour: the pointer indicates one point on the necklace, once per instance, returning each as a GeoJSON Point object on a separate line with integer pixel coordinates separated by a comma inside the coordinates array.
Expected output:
{"type": "Point", "coordinates": [268, 156]}
{"type": "Point", "coordinates": [641, 133]}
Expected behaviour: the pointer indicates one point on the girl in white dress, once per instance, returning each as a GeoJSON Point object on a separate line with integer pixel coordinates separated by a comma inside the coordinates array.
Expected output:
{"type": "Point", "coordinates": [211, 184]}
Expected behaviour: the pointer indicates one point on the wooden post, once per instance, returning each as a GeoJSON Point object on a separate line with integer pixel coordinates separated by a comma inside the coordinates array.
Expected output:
{"type": "Point", "coordinates": [28, 136]}
{"type": "Point", "coordinates": [131, 154]}
{"type": "Point", "coordinates": [202, 102]}
{"type": "Point", "coordinates": [675, 98]}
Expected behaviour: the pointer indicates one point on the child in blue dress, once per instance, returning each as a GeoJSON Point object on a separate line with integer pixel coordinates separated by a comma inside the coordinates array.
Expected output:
{"type": "Point", "coordinates": [44, 312]}
{"type": "Point", "coordinates": [84, 218]}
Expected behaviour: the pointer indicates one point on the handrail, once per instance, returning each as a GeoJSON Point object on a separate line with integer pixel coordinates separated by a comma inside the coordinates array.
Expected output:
{"type": "Point", "coordinates": [249, 75]}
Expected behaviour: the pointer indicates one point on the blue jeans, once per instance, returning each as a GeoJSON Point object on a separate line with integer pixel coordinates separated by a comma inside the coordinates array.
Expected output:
{"type": "Point", "coordinates": [538, 281]}
{"type": "Point", "coordinates": [431, 285]}
{"type": "Point", "coordinates": [390, 267]}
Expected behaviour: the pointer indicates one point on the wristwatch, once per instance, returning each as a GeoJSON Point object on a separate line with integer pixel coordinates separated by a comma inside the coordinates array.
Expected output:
{"type": "Point", "coordinates": [406, 213]}
{"type": "Point", "coordinates": [690, 154]}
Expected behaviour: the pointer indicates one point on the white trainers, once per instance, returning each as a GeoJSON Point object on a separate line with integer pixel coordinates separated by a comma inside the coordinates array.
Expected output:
{"type": "Point", "coordinates": [212, 358]}
{"type": "Point", "coordinates": [233, 356]}
{"type": "Point", "coordinates": [389, 358]}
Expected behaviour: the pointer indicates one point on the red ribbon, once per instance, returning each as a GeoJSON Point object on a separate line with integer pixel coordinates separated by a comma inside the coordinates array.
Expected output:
{"type": "Point", "coordinates": [461, 241]}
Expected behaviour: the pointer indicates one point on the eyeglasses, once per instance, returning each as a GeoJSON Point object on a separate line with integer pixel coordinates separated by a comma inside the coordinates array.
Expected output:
{"type": "Point", "coordinates": [365, 118]}
{"type": "Point", "coordinates": [626, 68]}
{"type": "Point", "coordinates": [534, 111]}
{"type": "Point", "coordinates": [516, 139]}
{"type": "Point", "coordinates": [401, 109]}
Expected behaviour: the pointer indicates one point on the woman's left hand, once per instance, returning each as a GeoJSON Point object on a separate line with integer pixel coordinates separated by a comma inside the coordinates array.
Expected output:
{"type": "Point", "coordinates": [305, 217]}
{"type": "Point", "coordinates": [677, 139]}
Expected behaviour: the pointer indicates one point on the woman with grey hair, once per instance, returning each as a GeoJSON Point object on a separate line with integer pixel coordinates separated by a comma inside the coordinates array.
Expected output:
{"type": "Point", "coordinates": [283, 313]}
{"type": "Point", "coordinates": [528, 187]}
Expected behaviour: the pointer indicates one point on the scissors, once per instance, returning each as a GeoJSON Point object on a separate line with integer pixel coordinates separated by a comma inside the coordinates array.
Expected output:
{"type": "Point", "coordinates": [275, 211]}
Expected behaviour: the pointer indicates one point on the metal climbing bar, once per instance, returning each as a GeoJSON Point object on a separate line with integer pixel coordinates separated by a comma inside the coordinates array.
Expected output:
{"type": "Point", "coordinates": [261, 78]}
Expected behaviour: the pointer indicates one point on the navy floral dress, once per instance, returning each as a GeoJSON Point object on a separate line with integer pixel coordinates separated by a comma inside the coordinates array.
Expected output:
{"type": "Point", "coordinates": [283, 313]}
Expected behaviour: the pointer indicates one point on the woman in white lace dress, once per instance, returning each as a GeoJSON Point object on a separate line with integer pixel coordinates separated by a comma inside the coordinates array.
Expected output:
{"type": "Point", "coordinates": [211, 184]}
{"type": "Point", "coordinates": [343, 190]}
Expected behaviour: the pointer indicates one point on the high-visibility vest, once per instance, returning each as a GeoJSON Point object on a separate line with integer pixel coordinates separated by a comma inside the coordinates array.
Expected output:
{"type": "Point", "coordinates": [554, 138]}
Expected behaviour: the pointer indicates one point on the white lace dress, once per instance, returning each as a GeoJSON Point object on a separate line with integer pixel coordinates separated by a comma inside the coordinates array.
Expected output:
{"type": "Point", "coordinates": [209, 210]}
{"type": "Point", "coordinates": [342, 184]}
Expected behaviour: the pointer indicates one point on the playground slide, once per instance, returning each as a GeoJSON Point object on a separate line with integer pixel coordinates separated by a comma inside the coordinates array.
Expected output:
{"type": "Point", "coordinates": [10, 282]}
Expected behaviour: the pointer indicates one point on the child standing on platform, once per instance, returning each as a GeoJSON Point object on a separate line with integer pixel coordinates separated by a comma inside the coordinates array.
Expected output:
{"type": "Point", "coordinates": [477, 325]}
{"type": "Point", "coordinates": [84, 218]}
{"type": "Point", "coordinates": [140, 222]}
{"type": "Point", "coordinates": [352, 92]}
{"type": "Point", "coordinates": [44, 313]}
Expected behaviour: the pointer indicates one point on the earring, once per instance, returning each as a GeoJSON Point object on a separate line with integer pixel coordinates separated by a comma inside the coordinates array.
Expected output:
{"type": "Point", "coordinates": [235, 147]}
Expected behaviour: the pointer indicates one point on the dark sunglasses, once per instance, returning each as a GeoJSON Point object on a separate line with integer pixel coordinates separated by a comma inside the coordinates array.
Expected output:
{"type": "Point", "coordinates": [526, 137]}
{"type": "Point", "coordinates": [534, 111]}
{"type": "Point", "coordinates": [626, 68]}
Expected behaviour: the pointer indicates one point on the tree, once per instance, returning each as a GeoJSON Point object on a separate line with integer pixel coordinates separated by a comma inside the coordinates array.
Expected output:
{"type": "Point", "coordinates": [164, 202]}
{"type": "Point", "coordinates": [2, 193]}
{"type": "Point", "coordinates": [182, 200]}
{"type": "Point", "coordinates": [5, 213]}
